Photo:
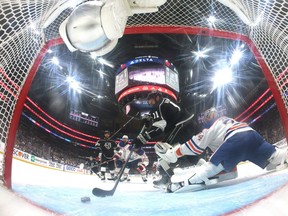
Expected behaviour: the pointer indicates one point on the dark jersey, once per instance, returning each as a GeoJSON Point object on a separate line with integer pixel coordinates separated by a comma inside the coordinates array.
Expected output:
{"type": "Point", "coordinates": [165, 114]}
{"type": "Point", "coordinates": [163, 117]}
{"type": "Point", "coordinates": [107, 147]}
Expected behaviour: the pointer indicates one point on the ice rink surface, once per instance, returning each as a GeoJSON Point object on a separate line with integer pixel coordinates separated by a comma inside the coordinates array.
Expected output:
{"type": "Point", "coordinates": [254, 192]}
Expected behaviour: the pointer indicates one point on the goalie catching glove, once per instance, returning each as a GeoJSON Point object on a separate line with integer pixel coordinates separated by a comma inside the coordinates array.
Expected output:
{"type": "Point", "coordinates": [166, 152]}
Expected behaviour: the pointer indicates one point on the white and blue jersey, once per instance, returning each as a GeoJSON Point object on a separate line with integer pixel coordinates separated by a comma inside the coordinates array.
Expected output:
{"type": "Point", "coordinates": [231, 142]}
{"type": "Point", "coordinates": [213, 137]}
{"type": "Point", "coordinates": [138, 156]}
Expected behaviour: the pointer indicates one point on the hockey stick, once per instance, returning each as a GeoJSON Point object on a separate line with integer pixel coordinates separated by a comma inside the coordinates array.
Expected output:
{"type": "Point", "coordinates": [103, 193]}
{"type": "Point", "coordinates": [123, 125]}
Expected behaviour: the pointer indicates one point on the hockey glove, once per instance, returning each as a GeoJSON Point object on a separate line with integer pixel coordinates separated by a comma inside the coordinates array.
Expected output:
{"type": "Point", "coordinates": [147, 120]}
{"type": "Point", "coordinates": [141, 168]}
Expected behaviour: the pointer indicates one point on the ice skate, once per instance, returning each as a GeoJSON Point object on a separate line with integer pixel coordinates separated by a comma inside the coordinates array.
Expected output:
{"type": "Point", "coordinates": [162, 182]}
{"type": "Point", "coordinates": [164, 177]}
{"type": "Point", "coordinates": [112, 178]}
{"type": "Point", "coordinates": [125, 178]}
{"type": "Point", "coordinates": [144, 178]}
{"type": "Point", "coordinates": [102, 177]}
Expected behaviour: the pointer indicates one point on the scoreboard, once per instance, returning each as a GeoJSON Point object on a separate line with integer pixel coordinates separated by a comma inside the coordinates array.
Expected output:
{"type": "Point", "coordinates": [138, 77]}
{"type": "Point", "coordinates": [145, 70]}
{"type": "Point", "coordinates": [84, 118]}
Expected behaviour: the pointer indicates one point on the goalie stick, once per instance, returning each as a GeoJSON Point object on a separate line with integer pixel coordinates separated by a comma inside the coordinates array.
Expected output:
{"type": "Point", "coordinates": [103, 193]}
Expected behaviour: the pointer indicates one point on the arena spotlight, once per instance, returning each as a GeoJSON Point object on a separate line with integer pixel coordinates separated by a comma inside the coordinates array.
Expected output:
{"type": "Point", "coordinates": [236, 56]}
{"type": "Point", "coordinates": [96, 26]}
{"type": "Point", "coordinates": [222, 77]}
{"type": "Point", "coordinates": [73, 84]}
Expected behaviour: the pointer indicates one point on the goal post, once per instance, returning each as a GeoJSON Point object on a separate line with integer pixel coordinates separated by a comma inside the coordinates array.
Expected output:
{"type": "Point", "coordinates": [25, 38]}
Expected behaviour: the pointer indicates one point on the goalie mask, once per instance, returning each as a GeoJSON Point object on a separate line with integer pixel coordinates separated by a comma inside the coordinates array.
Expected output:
{"type": "Point", "coordinates": [209, 117]}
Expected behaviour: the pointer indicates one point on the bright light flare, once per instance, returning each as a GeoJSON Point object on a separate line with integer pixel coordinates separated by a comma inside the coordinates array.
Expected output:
{"type": "Point", "coordinates": [55, 60]}
{"type": "Point", "coordinates": [33, 26]}
{"type": "Point", "coordinates": [105, 62]}
{"type": "Point", "coordinates": [236, 56]}
{"type": "Point", "coordinates": [102, 61]}
{"type": "Point", "coordinates": [93, 55]}
{"type": "Point", "coordinates": [200, 54]}
{"type": "Point", "coordinates": [222, 77]}
{"type": "Point", "coordinates": [75, 85]}
{"type": "Point", "coordinates": [211, 20]}
{"type": "Point", "coordinates": [101, 73]}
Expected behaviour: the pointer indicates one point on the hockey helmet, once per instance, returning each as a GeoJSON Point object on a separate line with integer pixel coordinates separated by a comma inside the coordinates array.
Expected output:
{"type": "Point", "coordinates": [106, 132]}
{"type": "Point", "coordinates": [154, 94]}
{"type": "Point", "coordinates": [125, 137]}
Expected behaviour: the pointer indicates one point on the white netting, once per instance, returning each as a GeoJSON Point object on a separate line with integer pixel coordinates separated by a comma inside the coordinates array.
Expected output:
{"type": "Point", "coordinates": [22, 36]}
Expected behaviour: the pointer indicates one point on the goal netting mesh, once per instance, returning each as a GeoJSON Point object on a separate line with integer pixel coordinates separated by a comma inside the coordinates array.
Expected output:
{"type": "Point", "coordinates": [25, 36]}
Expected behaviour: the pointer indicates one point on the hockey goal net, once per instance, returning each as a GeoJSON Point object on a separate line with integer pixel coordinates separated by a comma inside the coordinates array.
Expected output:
{"type": "Point", "coordinates": [25, 37]}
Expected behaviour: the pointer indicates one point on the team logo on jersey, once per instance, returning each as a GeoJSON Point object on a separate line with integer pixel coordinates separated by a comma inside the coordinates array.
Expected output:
{"type": "Point", "coordinates": [107, 145]}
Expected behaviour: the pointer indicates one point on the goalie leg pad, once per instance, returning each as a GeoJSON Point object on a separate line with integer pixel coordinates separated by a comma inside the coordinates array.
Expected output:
{"type": "Point", "coordinates": [204, 172]}
{"type": "Point", "coordinates": [199, 174]}
{"type": "Point", "coordinates": [166, 152]}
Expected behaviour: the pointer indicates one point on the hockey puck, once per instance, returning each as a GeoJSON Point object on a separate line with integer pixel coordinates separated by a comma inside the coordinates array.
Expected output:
{"type": "Point", "coordinates": [85, 199]}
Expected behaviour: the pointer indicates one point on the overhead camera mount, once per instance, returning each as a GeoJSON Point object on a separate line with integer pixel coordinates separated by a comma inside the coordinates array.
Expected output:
{"type": "Point", "coordinates": [96, 26]}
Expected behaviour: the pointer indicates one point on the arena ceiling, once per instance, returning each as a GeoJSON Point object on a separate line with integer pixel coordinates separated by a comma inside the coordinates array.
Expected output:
{"type": "Point", "coordinates": [197, 59]}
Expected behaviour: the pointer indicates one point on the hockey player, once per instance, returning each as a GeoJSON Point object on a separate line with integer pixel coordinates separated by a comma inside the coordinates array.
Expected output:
{"type": "Point", "coordinates": [93, 164]}
{"type": "Point", "coordinates": [231, 142]}
{"type": "Point", "coordinates": [124, 141]}
{"type": "Point", "coordinates": [160, 121]}
{"type": "Point", "coordinates": [108, 155]}
{"type": "Point", "coordinates": [138, 158]}
{"type": "Point", "coordinates": [120, 160]}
